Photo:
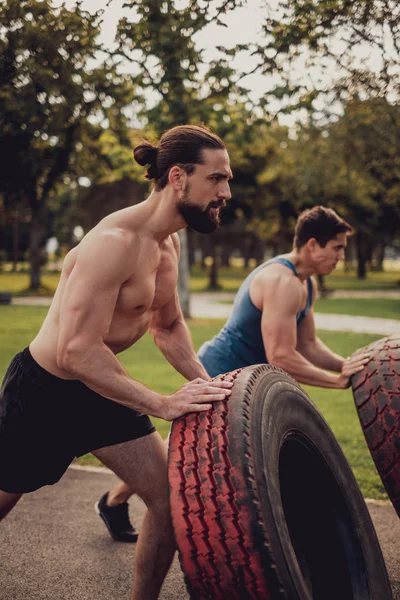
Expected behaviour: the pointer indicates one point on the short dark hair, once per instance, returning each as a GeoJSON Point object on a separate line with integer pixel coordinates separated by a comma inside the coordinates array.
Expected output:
{"type": "Point", "coordinates": [320, 223]}
{"type": "Point", "coordinates": [181, 146]}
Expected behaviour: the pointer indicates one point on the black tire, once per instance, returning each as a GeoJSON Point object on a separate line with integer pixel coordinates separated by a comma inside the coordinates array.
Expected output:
{"type": "Point", "coordinates": [376, 391]}
{"type": "Point", "coordinates": [264, 503]}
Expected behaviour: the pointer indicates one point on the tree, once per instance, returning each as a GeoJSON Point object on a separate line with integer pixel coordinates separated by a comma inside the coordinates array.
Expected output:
{"type": "Point", "coordinates": [161, 44]}
{"type": "Point", "coordinates": [367, 137]}
{"type": "Point", "coordinates": [357, 40]}
{"type": "Point", "coordinates": [48, 98]}
{"type": "Point", "coordinates": [351, 165]}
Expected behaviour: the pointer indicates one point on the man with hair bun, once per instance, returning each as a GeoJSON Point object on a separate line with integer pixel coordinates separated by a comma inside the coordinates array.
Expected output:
{"type": "Point", "coordinates": [67, 393]}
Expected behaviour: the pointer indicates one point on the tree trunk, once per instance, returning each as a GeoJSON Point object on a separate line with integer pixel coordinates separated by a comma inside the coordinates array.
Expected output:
{"type": "Point", "coordinates": [35, 246]}
{"type": "Point", "coordinates": [361, 255]}
{"type": "Point", "coordinates": [380, 255]}
{"type": "Point", "coordinates": [213, 280]}
{"type": "Point", "coordinates": [226, 255]}
{"type": "Point", "coordinates": [184, 275]}
{"type": "Point", "coordinates": [191, 248]}
{"type": "Point", "coordinates": [322, 286]}
{"type": "Point", "coordinates": [15, 242]}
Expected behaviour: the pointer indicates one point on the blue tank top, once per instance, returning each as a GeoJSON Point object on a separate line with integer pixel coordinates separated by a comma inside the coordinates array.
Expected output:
{"type": "Point", "coordinates": [240, 342]}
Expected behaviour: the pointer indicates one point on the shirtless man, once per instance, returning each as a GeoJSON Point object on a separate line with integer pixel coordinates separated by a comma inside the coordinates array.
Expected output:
{"type": "Point", "coordinates": [68, 394]}
{"type": "Point", "coordinates": [272, 319]}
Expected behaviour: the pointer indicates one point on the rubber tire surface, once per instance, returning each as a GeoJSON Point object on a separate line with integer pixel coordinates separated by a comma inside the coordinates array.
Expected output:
{"type": "Point", "coordinates": [229, 470]}
{"type": "Point", "coordinates": [376, 391]}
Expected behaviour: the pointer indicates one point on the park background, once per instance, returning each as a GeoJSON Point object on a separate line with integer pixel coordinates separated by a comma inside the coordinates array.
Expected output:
{"type": "Point", "coordinates": [305, 96]}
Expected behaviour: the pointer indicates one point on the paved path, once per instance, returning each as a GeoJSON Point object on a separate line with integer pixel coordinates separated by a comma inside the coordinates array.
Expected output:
{"type": "Point", "coordinates": [216, 306]}
{"type": "Point", "coordinates": [54, 546]}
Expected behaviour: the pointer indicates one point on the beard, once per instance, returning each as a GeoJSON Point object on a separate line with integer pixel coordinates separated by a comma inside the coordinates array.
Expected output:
{"type": "Point", "coordinates": [201, 220]}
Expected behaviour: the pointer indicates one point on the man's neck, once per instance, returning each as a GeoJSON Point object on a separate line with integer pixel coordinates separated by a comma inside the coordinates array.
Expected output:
{"type": "Point", "coordinates": [157, 216]}
{"type": "Point", "coordinates": [303, 268]}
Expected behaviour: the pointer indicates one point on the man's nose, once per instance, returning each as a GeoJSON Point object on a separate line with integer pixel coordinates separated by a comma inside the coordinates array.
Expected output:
{"type": "Point", "coordinates": [225, 191]}
{"type": "Point", "coordinates": [341, 255]}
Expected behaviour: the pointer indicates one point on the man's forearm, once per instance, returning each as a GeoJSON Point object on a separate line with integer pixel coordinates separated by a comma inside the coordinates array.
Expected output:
{"type": "Point", "coordinates": [177, 346]}
{"type": "Point", "coordinates": [305, 372]}
{"type": "Point", "coordinates": [321, 356]}
{"type": "Point", "coordinates": [100, 370]}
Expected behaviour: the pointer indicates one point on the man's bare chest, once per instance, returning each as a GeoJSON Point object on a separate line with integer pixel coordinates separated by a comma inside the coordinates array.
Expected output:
{"type": "Point", "coordinates": [150, 288]}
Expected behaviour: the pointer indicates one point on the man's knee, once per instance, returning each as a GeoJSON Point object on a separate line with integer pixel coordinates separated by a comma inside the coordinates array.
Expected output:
{"type": "Point", "coordinates": [157, 499]}
{"type": "Point", "coordinates": [7, 503]}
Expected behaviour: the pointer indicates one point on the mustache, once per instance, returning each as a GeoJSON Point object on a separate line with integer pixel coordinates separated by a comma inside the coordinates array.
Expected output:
{"type": "Point", "coordinates": [216, 204]}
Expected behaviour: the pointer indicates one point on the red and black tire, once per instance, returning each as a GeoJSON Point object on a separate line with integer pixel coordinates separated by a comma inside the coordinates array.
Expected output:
{"type": "Point", "coordinates": [376, 391]}
{"type": "Point", "coordinates": [264, 504]}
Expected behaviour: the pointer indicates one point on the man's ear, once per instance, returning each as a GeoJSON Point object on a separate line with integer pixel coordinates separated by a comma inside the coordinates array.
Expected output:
{"type": "Point", "coordinates": [176, 177]}
{"type": "Point", "coordinates": [312, 244]}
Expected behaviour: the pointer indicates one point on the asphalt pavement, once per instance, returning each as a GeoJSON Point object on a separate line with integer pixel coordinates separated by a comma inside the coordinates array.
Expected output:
{"type": "Point", "coordinates": [54, 546]}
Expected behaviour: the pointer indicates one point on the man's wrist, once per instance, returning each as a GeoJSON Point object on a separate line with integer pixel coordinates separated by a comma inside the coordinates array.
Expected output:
{"type": "Point", "coordinates": [160, 406]}
{"type": "Point", "coordinates": [343, 381]}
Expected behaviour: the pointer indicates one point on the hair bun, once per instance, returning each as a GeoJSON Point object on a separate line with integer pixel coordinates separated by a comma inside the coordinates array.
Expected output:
{"type": "Point", "coordinates": [145, 154]}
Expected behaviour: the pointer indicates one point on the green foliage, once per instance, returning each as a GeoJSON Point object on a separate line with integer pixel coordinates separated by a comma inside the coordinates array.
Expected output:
{"type": "Point", "coordinates": [51, 101]}
{"type": "Point", "coordinates": [161, 44]}
{"type": "Point", "coordinates": [333, 35]}
{"type": "Point", "coordinates": [347, 156]}
{"type": "Point", "coordinates": [48, 92]}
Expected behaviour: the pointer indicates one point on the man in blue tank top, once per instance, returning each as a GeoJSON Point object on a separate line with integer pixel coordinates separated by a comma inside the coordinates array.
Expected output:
{"type": "Point", "coordinates": [272, 319]}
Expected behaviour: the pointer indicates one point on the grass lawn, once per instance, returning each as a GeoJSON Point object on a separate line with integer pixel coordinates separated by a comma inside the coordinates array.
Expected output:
{"type": "Point", "coordinates": [229, 278]}
{"type": "Point", "coordinates": [19, 324]}
{"type": "Point", "coordinates": [385, 308]}
{"type": "Point", "coordinates": [18, 283]}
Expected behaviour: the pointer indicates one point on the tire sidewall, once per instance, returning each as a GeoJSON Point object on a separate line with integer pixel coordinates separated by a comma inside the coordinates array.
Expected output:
{"type": "Point", "coordinates": [275, 406]}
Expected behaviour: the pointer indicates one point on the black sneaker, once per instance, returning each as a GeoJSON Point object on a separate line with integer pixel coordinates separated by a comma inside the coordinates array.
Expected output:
{"type": "Point", "coordinates": [117, 520]}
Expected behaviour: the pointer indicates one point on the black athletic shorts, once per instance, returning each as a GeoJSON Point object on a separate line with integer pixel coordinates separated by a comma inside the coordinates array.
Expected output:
{"type": "Point", "coordinates": [45, 422]}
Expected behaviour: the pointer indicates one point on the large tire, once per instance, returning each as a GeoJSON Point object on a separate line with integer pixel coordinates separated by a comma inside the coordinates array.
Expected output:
{"type": "Point", "coordinates": [376, 391]}
{"type": "Point", "coordinates": [264, 504]}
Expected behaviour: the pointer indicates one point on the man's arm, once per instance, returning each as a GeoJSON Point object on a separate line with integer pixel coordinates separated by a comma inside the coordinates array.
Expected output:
{"type": "Point", "coordinates": [87, 308]}
{"type": "Point", "coordinates": [281, 302]}
{"type": "Point", "coordinates": [172, 336]}
{"type": "Point", "coordinates": [312, 348]}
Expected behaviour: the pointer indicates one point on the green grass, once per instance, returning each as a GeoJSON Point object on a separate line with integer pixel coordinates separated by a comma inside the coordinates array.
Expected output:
{"type": "Point", "coordinates": [385, 308]}
{"type": "Point", "coordinates": [19, 324]}
{"type": "Point", "coordinates": [229, 279]}
{"type": "Point", "coordinates": [18, 284]}
{"type": "Point", "coordinates": [386, 280]}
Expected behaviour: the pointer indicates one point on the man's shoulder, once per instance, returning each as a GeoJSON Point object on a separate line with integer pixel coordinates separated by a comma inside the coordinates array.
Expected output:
{"type": "Point", "coordinates": [276, 274]}
{"type": "Point", "coordinates": [108, 248]}
{"type": "Point", "coordinates": [279, 285]}
{"type": "Point", "coordinates": [111, 234]}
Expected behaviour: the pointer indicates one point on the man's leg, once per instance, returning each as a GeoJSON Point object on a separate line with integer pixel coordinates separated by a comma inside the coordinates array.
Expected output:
{"type": "Point", "coordinates": [7, 502]}
{"type": "Point", "coordinates": [114, 510]}
{"type": "Point", "coordinates": [119, 495]}
{"type": "Point", "coordinates": [142, 465]}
